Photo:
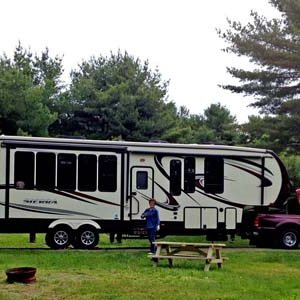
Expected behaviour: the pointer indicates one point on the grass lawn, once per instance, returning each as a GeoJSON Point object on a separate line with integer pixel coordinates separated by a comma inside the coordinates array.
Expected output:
{"type": "Point", "coordinates": [75, 274]}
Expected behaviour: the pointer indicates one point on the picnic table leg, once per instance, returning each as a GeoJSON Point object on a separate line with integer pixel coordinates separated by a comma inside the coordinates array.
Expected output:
{"type": "Point", "coordinates": [157, 252]}
{"type": "Point", "coordinates": [207, 265]}
{"type": "Point", "coordinates": [208, 259]}
{"type": "Point", "coordinates": [168, 250]}
{"type": "Point", "coordinates": [219, 257]}
{"type": "Point", "coordinates": [170, 262]}
{"type": "Point", "coordinates": [155, 262]}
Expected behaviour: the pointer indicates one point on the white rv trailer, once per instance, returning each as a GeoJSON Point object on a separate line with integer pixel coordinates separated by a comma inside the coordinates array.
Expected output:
{"type": "Point", "coordinates": [75, 189]}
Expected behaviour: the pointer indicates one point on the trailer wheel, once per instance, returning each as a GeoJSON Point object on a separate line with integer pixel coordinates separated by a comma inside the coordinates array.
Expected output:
{"type": "Point", "coordinates": [86, 237]}
{"type": "Point", "coordinates": [288, 238]}
{"type": "Point", "coordinates": [59, 237]}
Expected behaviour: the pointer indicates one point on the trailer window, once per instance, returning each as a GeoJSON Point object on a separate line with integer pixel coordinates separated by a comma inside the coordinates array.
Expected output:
{"type": "Point", "coordinates": [175, 177]}
{"type": "Point", "coordinates": [24, 170]}
{"type": "Point", "coordinates": [142, 180]}
{"type": "Point", "coordinates": [66, 171]}
{"type": "Point", "coordinates": [87, 172]}
{"type": "Point", "coordinates": [214, 175]}
{"type": "Point", "coordinates": [189, 174]}
{"type": "Point", "coordinates": [107, 173]}
{"type": "Point", "coordinates": [45, 170]}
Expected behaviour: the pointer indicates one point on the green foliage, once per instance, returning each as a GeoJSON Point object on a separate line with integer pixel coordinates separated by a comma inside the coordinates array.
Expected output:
{"type": "Point", "coordinates": [292, 162]}
{"type": "Point", "coordinates": [278, 133]}
{"type": "Point", "coordinates": [223, 124]}
{"type": "Point", "coordinates": [217, 125]}
{"type": "Point", "coordinates": [258, 132]}
{"type": "Point", "coordinates": [273, 46]}
{"type": "Point", "coordinates": [188, 128]}
{"type": "Point", "coordinates": [29, 92]}
{"type": "Point", "coordinates": [118, 97]}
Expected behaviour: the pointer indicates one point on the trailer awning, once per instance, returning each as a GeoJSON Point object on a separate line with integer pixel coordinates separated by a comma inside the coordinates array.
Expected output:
{"type": "Point", "coordinates": [62, 145]}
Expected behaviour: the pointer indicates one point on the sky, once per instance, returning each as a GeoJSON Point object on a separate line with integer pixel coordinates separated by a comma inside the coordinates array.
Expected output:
{"type": "Point", "coordinates": [176, 36]}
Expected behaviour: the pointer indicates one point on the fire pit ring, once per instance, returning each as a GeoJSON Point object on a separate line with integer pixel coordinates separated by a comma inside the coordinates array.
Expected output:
{"type": "Point", "coordinates": [21, 274]}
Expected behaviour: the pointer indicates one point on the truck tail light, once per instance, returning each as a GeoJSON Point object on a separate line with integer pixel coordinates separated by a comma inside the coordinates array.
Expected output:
{"type": "Point", "coordinates": [298, 195]}
{"type": "Point", "coordinates": [256, 221]}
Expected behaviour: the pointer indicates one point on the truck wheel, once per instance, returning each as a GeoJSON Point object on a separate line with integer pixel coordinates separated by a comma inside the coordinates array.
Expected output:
{"type": "Point", "coordinates": [59, 237]}
{"type": "Point", "coordinates": [86, 237]}
{"type": "Point", "coordinates": [289, 238]}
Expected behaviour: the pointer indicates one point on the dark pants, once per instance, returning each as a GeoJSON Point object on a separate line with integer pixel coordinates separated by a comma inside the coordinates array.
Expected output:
{"type": "Point", "coordinates": [151, 237]}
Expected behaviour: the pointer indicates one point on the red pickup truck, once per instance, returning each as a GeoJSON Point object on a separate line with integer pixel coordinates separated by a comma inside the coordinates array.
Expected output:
{"type": "Point", "coordinates": [279, 230]}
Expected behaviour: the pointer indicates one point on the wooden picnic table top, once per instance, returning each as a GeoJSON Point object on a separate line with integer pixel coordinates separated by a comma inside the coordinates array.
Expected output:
{"type": "Point", "coordinates": [189, 244]}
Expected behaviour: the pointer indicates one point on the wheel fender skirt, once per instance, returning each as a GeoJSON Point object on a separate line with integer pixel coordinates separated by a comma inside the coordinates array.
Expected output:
{"type": "Point", "coordinates": [74, 224]}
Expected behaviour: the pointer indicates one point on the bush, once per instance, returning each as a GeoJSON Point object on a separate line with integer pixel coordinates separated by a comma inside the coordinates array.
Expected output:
{"type": "Point", "coordinates": [292, 163]}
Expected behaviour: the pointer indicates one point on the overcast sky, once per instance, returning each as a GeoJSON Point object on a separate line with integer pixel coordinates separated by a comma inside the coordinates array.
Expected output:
{"type": "Point", "coordinates": [177, 36]}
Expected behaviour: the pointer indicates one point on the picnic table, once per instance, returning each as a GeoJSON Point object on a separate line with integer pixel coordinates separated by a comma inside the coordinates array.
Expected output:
{"type": "Point", "coordinates": [209, 252]}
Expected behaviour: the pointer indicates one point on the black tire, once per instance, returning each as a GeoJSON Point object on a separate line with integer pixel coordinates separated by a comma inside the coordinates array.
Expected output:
{"type": "Point", "coordinates": [59, 237]}
{"type": "Point", "coordinates": [288, 238]}
{"type": "Point", "coordinates": [86, 237]}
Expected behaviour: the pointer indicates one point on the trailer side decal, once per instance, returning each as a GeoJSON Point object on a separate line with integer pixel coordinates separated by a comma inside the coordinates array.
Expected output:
{"type": "Point", "coordinates": [265, 181]}
{"type": "Point", "coordinates": [51, 211]}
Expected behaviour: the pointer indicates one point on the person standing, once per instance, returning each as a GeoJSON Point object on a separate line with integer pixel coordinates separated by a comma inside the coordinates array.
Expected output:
{"type": "Point", "coordinates": [152, 223]}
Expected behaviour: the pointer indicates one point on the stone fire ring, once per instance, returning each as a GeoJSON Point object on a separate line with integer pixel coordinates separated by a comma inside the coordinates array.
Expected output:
{"type": "Point", "coordinates": [22, 274]}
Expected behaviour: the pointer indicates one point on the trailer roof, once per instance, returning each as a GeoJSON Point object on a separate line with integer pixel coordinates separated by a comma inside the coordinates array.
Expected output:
{"type": "Point", "coordinates": [123, 145]}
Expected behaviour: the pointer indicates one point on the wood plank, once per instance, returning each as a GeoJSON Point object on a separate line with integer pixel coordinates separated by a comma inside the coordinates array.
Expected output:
{"type": "Point", "coordinates": [187, 257]}
{"type": "Point", "coordinates": [190, 244]}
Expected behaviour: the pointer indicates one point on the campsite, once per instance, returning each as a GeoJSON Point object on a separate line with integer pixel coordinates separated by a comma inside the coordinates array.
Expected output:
{"type": "Point", "coordinates": [169, 123]}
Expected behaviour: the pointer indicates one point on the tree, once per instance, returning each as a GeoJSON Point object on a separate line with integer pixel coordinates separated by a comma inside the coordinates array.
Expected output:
{"type": "Point", "coordinates": [29, 92]}
{"type": "Point", "coordinates": [216, 125]}
{"type": "Point", "coordinates": [118, 97]}
{"type": "Point", "coordinates": [260, 132]}
{"type": "Point", "coordinates": [292, 162]}
{"type": "Point", "coordinates": [274, 47]}
{"type": "Point", "coordinates": [223, 124]}
{"type": "Point", "coordinates": [188, 128]}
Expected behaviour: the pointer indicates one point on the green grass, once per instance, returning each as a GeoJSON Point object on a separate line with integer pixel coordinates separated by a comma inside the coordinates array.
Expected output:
{"type": "Point", "coordinates": [22, 241]}
{"type": "Point", "coordinates": [120, 274]}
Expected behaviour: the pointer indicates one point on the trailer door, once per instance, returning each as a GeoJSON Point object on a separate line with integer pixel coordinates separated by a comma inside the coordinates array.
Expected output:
{"type": "Point", "coordinates": [141, 190]}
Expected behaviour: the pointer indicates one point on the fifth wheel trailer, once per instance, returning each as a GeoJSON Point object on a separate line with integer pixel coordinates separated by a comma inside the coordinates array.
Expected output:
{"type": "Point", "coordinates": [72, 189]}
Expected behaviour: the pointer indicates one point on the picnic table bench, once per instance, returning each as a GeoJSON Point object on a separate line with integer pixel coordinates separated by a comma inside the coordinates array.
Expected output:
{"type": "Point", "coordinates": [210, 252]}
